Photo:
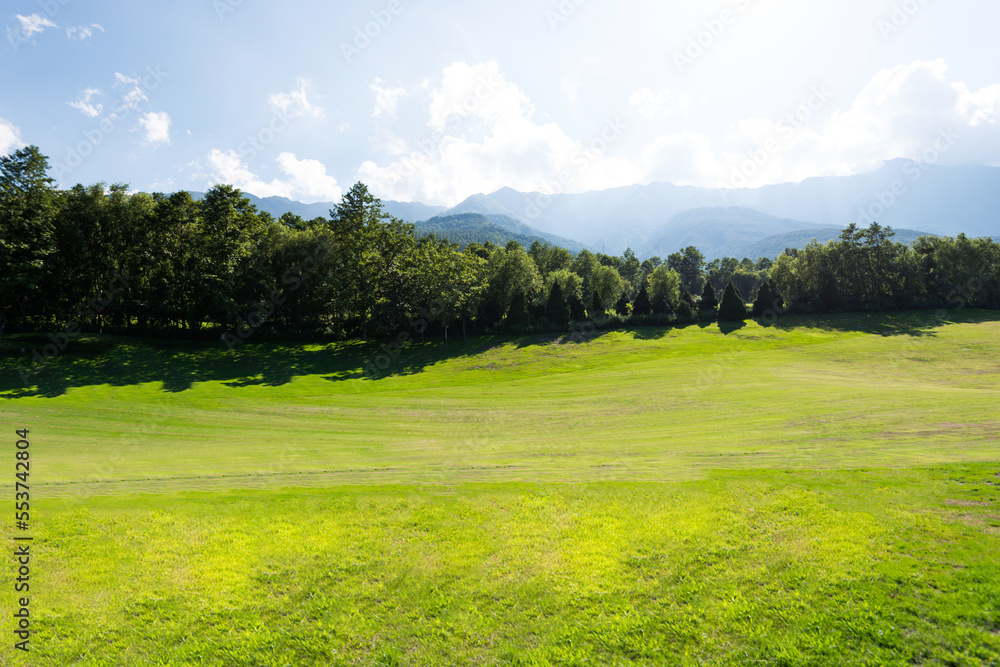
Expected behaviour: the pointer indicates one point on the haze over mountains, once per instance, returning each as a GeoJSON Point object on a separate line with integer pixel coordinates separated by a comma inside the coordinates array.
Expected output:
{"type": "Point", "coordinates": [660, 218]}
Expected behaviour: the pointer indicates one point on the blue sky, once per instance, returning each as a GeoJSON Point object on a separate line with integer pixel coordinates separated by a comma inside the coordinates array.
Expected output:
{"type": "Point", "coordinates": [435, 100]}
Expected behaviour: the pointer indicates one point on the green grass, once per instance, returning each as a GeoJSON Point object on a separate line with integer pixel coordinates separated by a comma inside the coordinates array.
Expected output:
{"type": "Point", "coordinates": [819, 492]}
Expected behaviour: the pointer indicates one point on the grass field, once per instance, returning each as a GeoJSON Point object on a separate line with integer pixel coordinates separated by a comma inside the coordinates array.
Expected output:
{"type": "Point", "coordinates": [819, 492]}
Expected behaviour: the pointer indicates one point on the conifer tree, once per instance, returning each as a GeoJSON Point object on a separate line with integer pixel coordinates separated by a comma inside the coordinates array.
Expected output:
{"type": "Point", "coordinates": [518, 313]}
{"type": "Point", "coordinates": [641, 304]}
{"type": "Point", "coordinates": [764, 301]}
{"type": "Point", "coordinates": [708, 300]}
{"type": "Point", "coordinates": [557, 310]}
{"type": "Point", "coordinates": [732, 308]}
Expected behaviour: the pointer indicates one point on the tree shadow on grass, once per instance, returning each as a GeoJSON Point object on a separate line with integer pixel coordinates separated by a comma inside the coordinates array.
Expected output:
{"type": "Point", "coordinates": [729, 327]}
{"type": "Point", "coordinates": [178, 367]}
{"type": "Point", "coordinates": [916, 323]}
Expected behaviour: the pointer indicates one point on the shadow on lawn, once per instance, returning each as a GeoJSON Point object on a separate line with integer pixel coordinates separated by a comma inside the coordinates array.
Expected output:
{"type": "Point", "coordinates": [178, 367]}
{"type": "Point", "coordinates": [916, 324]}
{"type": "Point", "coordinates": [124, 362]}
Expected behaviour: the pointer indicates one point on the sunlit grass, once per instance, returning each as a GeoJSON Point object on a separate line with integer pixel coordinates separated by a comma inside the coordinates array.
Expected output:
{"type": "Point", "coordinates": [818, 493]}
{"type": "Point", "coordinates": [657, 405]}
{"type": "Point", "coordinates": [780, 567]}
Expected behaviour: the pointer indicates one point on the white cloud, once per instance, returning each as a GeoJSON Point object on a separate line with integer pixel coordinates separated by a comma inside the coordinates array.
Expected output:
{"type": "Point", "coordinates": [34, 23]}
{"type": "Point", "coordinates": [122, 80]}
{"type": "Point", "coordinates": [133, 97]}
{"type": "Point", "coordinates": [482, 136]}
{"type": "Point", "coordinates": [10, 138]}
{"type": "Point", "coordinates": [909, 111]}
{"type": "Point", "coordinates": [478, 91]}
{"type": "Point", "coordinates": [296, 103]}
{"type": "Point", "coordinates": [662, 104]}
{"type": "Point", "coordinates": [570, 86]}
{"type": "Point", "coordinates": [307, 179]}
{"type": "Point", "coordinates": [83, 32]}
{"type": "Point", "coordinates": [386, 99]}
{"type": "Point", "coordinates": [84, 103]}
{"type": "Point", "coordinates": [157, 127]}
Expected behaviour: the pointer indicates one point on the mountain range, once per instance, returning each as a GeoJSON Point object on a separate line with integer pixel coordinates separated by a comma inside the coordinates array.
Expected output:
{"type": "Point", "coordinates": [660, 218]}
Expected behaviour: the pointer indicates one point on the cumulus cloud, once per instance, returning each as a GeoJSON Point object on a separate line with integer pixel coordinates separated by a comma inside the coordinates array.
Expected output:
{"type": "Point", "coordinates": [157, 127]}
{"type": "Point", "coordinates": [482, 136]}
{"type": "Point", "coordinates": [306, 181]}
{"type": "Point", "coordinates": [910, 111]}
{"type": "Point", "coordinates": [903, 112]}
{"type": "Point", "coordinates": [477, 91]}
{"type": "Point", "coordinates": [296, 103]}
{"type": "Point", "coordinates": [10, 138]}
{"type": "Point", "coordinates": [82, 32]}
{"type": "Point", "coordinates": [386, 100]}
{"type": "Point", "coordinates": [84, 104]}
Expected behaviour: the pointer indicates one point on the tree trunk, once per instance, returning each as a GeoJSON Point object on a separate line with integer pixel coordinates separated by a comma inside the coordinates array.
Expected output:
{"type": "Point", "coordinates": [445, 336]}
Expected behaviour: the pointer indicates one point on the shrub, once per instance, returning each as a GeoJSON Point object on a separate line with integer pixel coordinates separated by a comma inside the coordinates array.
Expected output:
{"type": "Point", "coordinates": [708, 300]}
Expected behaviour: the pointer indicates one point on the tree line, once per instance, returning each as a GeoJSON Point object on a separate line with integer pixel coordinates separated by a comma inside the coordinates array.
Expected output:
{"type": "Point", "coordinates": [102, 257]}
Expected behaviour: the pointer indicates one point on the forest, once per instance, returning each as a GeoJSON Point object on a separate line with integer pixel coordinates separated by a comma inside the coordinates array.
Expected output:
{"type": "Point", "coordinates": [104, 258]}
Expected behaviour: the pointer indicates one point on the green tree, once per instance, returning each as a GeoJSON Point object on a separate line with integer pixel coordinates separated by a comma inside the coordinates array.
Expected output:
{"type": "Point", "coordinates": [622, 307]}
{"type": "Point", "coordinates": [28, 206]}
{"type": "Point", "coordinates": [557, 309]}
{"type": "Point", "coordinates": [690, 266]}
{"type": "Point", "coordinates": [664, 290]}
{"type": "Point", "coordinates": [518, 314]}
{"type": "Point", "coordinates": [708, 300]}
{"type": "Point", "coordinates": [597, 308]}
{"type": "Point", "coordinates": [732, 308]}
{"type": "Point", "coordinates": [631, 268]}
{"type": "Point", "coordinates": [641, 306]}
{"type": "Point", "coordinates": [764, 301]}
{"type": "Point", "coordinates": [570, 284]}
{"type": "Point", "coordinates": [511, 272]}
{"type": "Point", "coordinates": [607, 287]}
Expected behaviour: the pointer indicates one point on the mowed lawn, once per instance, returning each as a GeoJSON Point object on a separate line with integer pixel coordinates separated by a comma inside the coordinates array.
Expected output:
{"type": "Point", "coordinates": [819, 492]}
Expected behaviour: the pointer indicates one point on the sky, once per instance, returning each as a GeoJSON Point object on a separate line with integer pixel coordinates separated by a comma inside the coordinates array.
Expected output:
{"type": "Point", "coordinates": [436, 100]}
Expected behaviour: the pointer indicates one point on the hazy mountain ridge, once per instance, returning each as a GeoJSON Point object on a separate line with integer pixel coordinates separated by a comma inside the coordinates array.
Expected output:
{"type": "Point", "coordinates": [902, 194]}
{"type": "Point", "coordinates": [661, 218]}
{"type": "Point", "coordinates": [466, 228]}
{"type": "Point", "coordinates": [278, 206]}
